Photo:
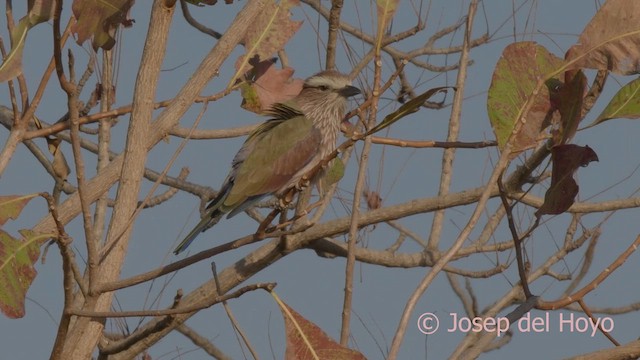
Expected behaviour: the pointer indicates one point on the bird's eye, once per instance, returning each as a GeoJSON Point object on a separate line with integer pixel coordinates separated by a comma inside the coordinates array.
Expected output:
{"type": "Point", "coordinates": [323, 88]}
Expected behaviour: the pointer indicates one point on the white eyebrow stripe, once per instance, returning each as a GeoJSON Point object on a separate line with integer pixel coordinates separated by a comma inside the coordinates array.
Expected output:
{"type": "Point", "coordinates": [334, 83]}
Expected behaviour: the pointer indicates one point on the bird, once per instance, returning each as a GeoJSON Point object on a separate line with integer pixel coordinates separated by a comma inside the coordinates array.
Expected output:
{"type": "Point", "coordinates": [298, 135]}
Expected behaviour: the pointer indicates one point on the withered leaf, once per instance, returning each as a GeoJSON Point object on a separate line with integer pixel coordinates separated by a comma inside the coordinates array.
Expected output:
{"type": "Point", "coordinates": [570, 100]}
{"type": "Point", "coordinates": [268, 34]}
{"type": "Point", "coordinates": [99, 21]}
{"type": "Point", "coordinates": [563, 189]}
{"type": "Point", "coordinates": [305, 340]}
{"type": "Point", "coordinates": [611, 40]}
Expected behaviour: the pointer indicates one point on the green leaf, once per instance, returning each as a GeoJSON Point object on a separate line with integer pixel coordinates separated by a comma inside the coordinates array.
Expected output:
{"type": "Point", "coordinates": [250, 99]}
{"type": "Point", "coordinates": [39, 11]}
{"type": "Point", "coordinates": [516, 76]}
{"type": "Point", "coordinates": [12, 65]}
{"type": "Point", "coordinates": [385, 9]}
{"type": "Point", "coordinates": [333, 174]}
{"type": "Point", "coordinates": [624, 104]}
{"type": "Point", "coordinates": [407, 108]}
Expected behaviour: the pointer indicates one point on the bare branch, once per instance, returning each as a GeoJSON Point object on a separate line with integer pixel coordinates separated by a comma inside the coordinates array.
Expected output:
{"type": "Point", "coordinates": [202, 342]}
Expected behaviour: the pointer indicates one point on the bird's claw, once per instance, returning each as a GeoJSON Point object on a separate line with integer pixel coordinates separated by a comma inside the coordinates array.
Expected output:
{"type": "Point", "coordinates": [303, 183]}
{"type": "Point", "coordinates": [283, 203]}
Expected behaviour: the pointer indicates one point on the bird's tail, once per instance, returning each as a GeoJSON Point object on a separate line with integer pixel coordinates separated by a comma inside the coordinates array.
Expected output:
{"type": "Point", "coordinates": [207, 222]}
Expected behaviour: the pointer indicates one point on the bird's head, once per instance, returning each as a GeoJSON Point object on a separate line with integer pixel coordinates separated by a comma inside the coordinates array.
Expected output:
{"type": "Point", "coordinates": [324, 95]}
{"type": "Point", "coordinates": [330, 82]}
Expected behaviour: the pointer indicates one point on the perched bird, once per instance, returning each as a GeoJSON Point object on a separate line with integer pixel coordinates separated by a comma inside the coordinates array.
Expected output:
{"type": "Point", "coordinates": [275, 156]}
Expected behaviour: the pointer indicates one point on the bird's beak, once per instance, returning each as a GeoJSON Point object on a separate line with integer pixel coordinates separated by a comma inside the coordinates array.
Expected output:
{"type": "Point", "coordinates": [349, 91]}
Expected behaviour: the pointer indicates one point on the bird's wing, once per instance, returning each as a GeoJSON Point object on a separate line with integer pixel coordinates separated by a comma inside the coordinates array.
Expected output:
{"type": "Point", "coordinates": [272, 158]}
{"type": "Point", "coordinates": [280, 112]}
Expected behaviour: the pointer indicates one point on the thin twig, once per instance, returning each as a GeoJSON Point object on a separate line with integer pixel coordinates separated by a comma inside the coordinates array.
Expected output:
{"type": "Point", "coordinates": [334, 26]}
{"type": "Point", "coordinates": [232, 318]}
{"type": "Point", "coordinates": [606, 272]}
{"type": "Point", "coordinates": [197, 25]}
{"type": "Point", "coordinates": [57, 127]}
{"type": "Point", "coordinates": [358, 190]}
{"type": "Point", "coordinates": [517, 240]}
{"type": "Point", "coordinates": [202, 342]}
{"type": "Point", "coordinates": [587, 311]}
{"type": "Point", "coordinates": [172, 310]}
{"type": "Point", "coordinates": [72, 103]}
{"type": "Point", "coordinates": [168, 194]}
{"type": "Point", "coordinates": [448, 156]}
{"type": "Point", "coordinates": [433, 144]}
{"type": "Point", "coordinates": [31, 109]}
{"type": "Point", "coordinates": [395, 53]}
{"type": "Point", "coordinates": [426, 281]}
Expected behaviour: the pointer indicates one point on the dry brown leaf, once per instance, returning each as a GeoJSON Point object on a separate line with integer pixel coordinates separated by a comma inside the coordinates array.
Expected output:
{"type": "Point", "coordinates": [611, 40]}
{"type": "Point", "coordinates": [268, 33]}
{"type": "Point", "coordinates": [98, 20]}
{"type": "Point", "coordinates": [305, 340]}
{"type": "Point", "coordinates": [564, 189]}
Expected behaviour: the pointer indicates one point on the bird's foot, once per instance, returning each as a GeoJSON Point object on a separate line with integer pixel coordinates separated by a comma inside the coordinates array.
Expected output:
{"type": "Point", "coordinates": [284, 202]}
{"type": "Point", "coordinates": [303, 183]}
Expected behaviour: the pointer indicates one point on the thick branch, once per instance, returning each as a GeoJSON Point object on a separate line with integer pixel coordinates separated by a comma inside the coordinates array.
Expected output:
{"type": "Point", "coordinates": [135, 156]}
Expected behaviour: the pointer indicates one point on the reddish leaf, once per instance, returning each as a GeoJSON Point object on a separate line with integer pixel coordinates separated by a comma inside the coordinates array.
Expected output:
{"type": "Point", "coordinates": [16, 258]}
{"type": "Point", "coordinates": [570, 99]}
{"type": "Point", "coordinates": [305, 340]}
{"type": "Point", "coordinates": [611, 40]}
{"type": "Point", "coordinates": [11, 206]}
{"type": "Point", "coordinates": [16, 270]}
{"type": "Point", "coordinates": [268, 33]}
{"type": "Point", "coordinates": [563, 190]}
{"type": "Point", "coordinates": [515, 77]}
{"type": "Point", "coordinates": [272, 86]}
{"type": "Point", "coordinates": [258, 68]}
{"type": "Point", "coordinates": [100, 20]}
